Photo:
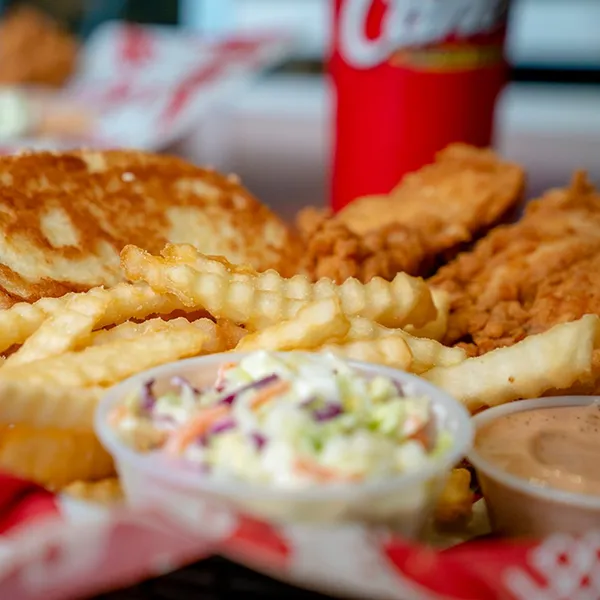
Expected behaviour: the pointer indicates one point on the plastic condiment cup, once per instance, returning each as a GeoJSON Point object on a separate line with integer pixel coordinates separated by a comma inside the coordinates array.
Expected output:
{"type": "Point", "coordinates": [403, 502]}
{"type": "Point", "coordinates": [518, 508]}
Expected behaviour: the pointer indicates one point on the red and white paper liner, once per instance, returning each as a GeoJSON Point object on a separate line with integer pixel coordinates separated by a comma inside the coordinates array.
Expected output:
{"type": "Point", "coordinates": [148, 87]}
{"type": "Point", "coordinates": [46, 553]}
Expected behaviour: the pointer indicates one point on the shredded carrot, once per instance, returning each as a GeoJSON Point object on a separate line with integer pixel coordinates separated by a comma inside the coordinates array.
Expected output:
{"type": "Point", "coordinates": [412, 422]}
{"type": "Point", "coordinates": [195, 428]}
{"type": "Point", "coordinates": [268, 393]}
{"type": "Point", "coordinates": [422, 436]}
{"type": "Point", "coordinates": [116, 415]}
{"type": "Point", "coordinates": [320, 473]}
{"type": "Point", "coordinates": [221, 372]}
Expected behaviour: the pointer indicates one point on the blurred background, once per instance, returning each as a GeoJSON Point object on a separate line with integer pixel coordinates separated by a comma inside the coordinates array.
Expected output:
{"type": "Point", "coordinates": [276, 135]}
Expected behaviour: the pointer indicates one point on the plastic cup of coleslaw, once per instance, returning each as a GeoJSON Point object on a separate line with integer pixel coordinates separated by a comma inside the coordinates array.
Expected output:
{"type": "Point", "coordinates": [402, 502]}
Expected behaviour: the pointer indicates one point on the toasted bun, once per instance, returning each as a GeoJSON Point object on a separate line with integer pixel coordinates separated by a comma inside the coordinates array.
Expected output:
{"type": "Point", "coordinates": [64, 217]}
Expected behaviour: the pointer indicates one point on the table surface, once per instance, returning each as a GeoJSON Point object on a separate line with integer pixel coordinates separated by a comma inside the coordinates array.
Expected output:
{"type": "Point", "coordinates": [212, 579]}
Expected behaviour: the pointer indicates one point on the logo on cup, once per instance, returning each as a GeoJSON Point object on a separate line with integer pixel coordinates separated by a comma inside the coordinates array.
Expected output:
{"type": "Point", "coordinates": [412, 24]}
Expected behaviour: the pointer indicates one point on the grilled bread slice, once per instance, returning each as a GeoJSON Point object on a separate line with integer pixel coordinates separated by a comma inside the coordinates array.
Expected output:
{"type": "Point", "coordinates": [64, 218]}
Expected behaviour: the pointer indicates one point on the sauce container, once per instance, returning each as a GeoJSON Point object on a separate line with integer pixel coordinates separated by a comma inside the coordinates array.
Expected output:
{"type": "Point", "coordinates": [518, 508]}
{"type": "Point", "coordinates": [404, 502]}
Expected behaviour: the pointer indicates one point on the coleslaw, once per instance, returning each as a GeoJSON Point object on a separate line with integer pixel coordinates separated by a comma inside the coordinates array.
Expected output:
{"type": "Point", "coordinates": [290, 420]}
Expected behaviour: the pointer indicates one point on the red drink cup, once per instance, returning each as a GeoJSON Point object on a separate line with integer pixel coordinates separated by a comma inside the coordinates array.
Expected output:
{"type": "Point", "coordinates": [411, 77]}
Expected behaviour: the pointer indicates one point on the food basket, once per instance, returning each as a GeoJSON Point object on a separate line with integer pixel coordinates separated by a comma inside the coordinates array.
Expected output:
{"type": "Point", "coordinates": [53, 547]}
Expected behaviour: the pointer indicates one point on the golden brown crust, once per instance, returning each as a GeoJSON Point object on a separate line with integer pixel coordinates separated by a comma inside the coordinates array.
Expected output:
{"type": "Point", "coordinates": [429, 216]}
{"type": "Point", "coordinates": [106, 491]}
{"type": "Point", "coordinates": [334, 251]}
{"type": "Point", "coordinates": [524, 278]}
{"type": "Point", "coordinates": [466, 189]}
{"type": "Point", "coordinates": [65, 217]}
{"type": "Point", "coordinates": [53, 457]}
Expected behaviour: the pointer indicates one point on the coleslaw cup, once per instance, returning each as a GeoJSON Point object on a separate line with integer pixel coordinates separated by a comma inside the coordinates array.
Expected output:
{"type": "Point", "coordinates": [403, 502]}
{"type": "Point", "coordinates": [518, 508]}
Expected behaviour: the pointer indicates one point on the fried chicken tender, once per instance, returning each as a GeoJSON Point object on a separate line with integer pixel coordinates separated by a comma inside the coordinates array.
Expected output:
{"type": "Point", "coordinates": [429, 216]}
{"type": "Point", "coordinates": [336, 252]}
{"type": "Point", "coordinates": [524, 278]}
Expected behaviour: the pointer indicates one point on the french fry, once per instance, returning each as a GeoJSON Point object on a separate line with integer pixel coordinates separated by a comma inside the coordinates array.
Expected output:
{"type": "Point", "coordinates": [125, 301]}
{"type": "Point", "coordinates": [22, 320]}
{"type": "Point", "coordinates": [231, 334]}
{"type": "Point", "coordinates": [220, 337]}
{"type": "Point", "coordinates": [455, 504]}
{"type": "Point", "coordinates": [48, 405]}
{"type": "Point", "coordinates": [435, 329]}
{"type": "Point", "coordinates": [429, 353]}
{"type": "Point", "coordinates": [390, 351]}
{"type": "Point", "coordinates": [128, 301]}
{"type": "Point", "coordinates": [313, 326]}
{"type": "Point", "coordinates": [131, 330]}
{"type": "Point", "coordinates": [223, 297]}
{"type": "Point", "coordinates": [62, 331]}
{"type": "Point", "coordinates": [53, 457]}
{"type": "Point", "coordinates": [298, 286]}
{"type": "Point", "coordinates": [555, 359]}
{"type": "Point", "coordinates": [189, 254]}
{"type": "Point", "coordinates": [238, 297]}
{"type": "Point", "coordinates": [106, 491]}
{"type": "Point", "coordinates": [426, 353]}
{"type": "Point", "coordinates": [109, 363]}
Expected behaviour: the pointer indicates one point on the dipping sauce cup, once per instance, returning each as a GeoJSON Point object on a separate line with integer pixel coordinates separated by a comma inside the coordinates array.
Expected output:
{"type": "Point", "coordinates": [518, 507]}
{"type": "Point", "coordinates": [402, 502]}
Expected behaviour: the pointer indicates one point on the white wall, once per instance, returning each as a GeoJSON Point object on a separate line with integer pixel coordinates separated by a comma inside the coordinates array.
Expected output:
{"type": "Point", "coordinates": [557, 32]}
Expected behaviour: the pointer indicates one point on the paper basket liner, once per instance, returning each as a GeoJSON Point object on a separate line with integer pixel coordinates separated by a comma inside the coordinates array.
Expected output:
{"type": "Point", "coordinates": [151, 85]}
{"type": "Point", "coordinates": [53, 547]}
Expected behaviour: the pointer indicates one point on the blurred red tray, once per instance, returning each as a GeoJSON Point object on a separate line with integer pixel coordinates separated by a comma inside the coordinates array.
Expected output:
{"type": "Point", "coordinates": [52, 548]}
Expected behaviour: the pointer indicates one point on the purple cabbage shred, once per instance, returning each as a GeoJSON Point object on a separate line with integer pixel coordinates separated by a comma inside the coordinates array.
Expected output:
{"type": "Point", "coordinates": [255, 385]}
{"type": "Point", "coordinates": [222, 426]}
{"type": "Point", "coordinates": [328, 412]}
{"type": "Point", "coordinates": [399, 388]}
{"type": "Point", "coordinates": [202, 440]}
{"type": "Point", "coordinates": [259, 440]}
{"type": "Point", "coordinates": [148, 399]}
